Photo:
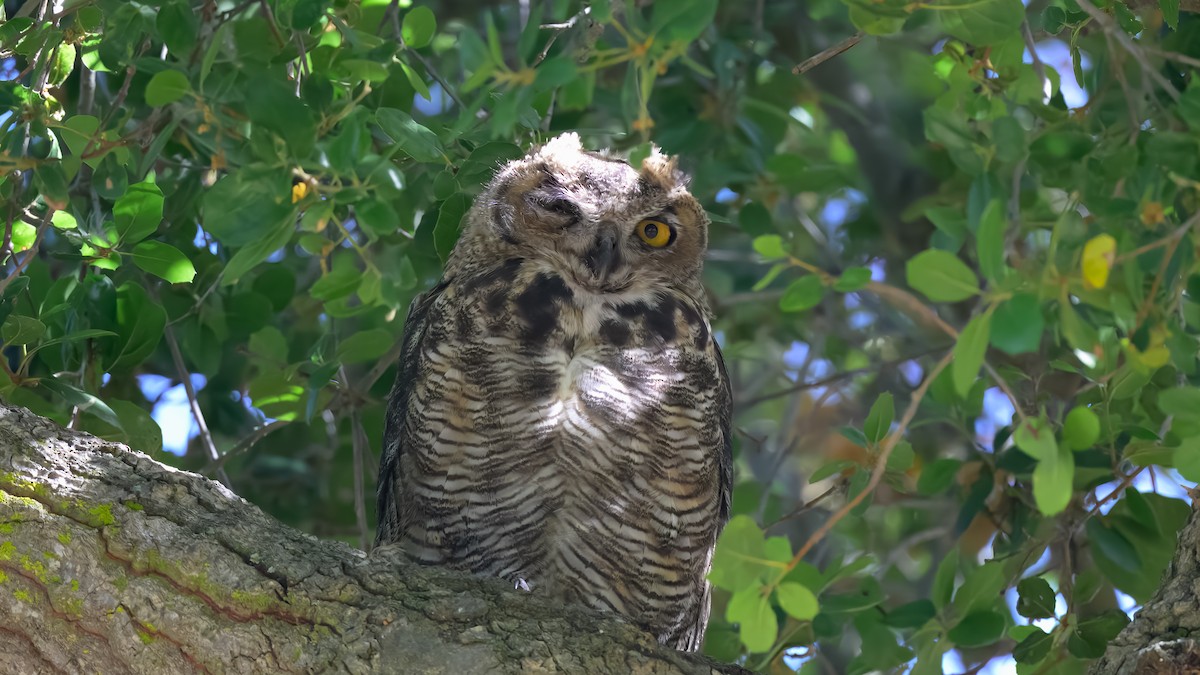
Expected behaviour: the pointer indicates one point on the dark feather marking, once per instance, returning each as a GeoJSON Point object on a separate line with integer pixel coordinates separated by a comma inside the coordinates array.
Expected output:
{"type": "Point", "coordinates": [697, 322]}
{"type": "Point", "coordinates": [615, 333]}
{"type": "Point", "coordinates": [538, 306]}
{"type": "Point", "coordinates": [660, 321]}
{"type": "Point", "coordinates": [496, 301]}
{"type": "Point", "coordinates": [497, 276]}
{"type": "Point", "coordinates": [631, 310]}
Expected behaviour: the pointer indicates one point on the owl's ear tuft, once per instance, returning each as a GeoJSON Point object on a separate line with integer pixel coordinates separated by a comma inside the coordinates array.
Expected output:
{"type": "Point", "coordinates": [563, 143]}
{"type": "Point", "coordinates": [661, 170]}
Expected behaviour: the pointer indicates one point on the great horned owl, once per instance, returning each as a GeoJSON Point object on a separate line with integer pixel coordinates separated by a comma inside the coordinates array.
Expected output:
{"type": "Point", "coordinates": [561, 414]}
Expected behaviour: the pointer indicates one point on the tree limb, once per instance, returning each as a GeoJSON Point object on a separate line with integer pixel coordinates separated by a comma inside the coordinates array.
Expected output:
{"type": "Point", "coordinates": [1160, 639]}
{"type": "Point", "coordinates": [112, 562]}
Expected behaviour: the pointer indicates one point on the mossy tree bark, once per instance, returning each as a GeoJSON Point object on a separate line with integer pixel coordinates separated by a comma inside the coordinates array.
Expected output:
{"type": "Point", "coordinates": [1164, 637]}
{"type": "Point", "coordinates": [111, 562]}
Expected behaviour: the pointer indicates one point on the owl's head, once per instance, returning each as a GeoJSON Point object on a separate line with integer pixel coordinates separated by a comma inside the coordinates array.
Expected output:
{"type": "Point", "coordinates": [602, 224]}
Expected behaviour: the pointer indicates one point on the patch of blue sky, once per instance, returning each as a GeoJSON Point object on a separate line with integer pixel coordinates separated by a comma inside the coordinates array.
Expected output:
{"type": "Point", "coordinates": [1056, 54]}
{"type": "Point", "coordinates": [997, 413]}
{"type": "Point", "coordinates": [171, 409]}
{"type": "Point", "coordinates": [437, 103]}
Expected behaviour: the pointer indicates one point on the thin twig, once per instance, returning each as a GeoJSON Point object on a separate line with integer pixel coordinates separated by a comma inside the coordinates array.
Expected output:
{"type": "Point", "coordinates": [425, 64]}
{"type": "Point", "coordinates": [559, 29]}
{"type": "Point", "coordinates": [844, 375]}
{"type": "Point", "coordinates": [30, 254]}
{"type": "Point", "coordinates": [908, 302]}
{"type": "Point", "coordinates": [381, 365]}
{"type": "Point", "coordinates": [248, 442]}
{"type": "Point", "coordinates": [806, 506]}
{"type": "Point", "coordinates": [1034, 57]}
{"type": "Point", "coordinates": [270, 17]}
{"type": "Point", "coordinates": [1111, 28]}
{"type": "Point", "coordinates": [826, 54]}
{"type": "Point", "coordinates": [1175, 56]}
{"type": "Point", "coordinates": [880, 466]}
{"type": "Point", "coordinates": [358, 443]}
{"type": "Point", "coordinates": [1174, 236]}
{"type": "Point", "coordinates": [186, 378]}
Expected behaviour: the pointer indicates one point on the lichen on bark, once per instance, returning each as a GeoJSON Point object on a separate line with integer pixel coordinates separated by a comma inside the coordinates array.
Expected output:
{"type": "Point", "coordinates": [112, 562]}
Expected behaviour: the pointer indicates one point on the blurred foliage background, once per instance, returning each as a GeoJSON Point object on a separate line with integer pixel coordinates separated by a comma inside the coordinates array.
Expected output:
{"type": "Point", "coordinates": [952, 265]}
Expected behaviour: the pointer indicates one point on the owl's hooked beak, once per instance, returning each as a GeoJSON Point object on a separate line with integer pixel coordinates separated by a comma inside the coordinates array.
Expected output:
{"type": "Point", "coordinates": [602, 258]}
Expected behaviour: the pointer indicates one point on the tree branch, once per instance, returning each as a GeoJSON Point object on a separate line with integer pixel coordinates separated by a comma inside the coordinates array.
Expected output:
{"type": "Point", "coordinates": [113, 562]}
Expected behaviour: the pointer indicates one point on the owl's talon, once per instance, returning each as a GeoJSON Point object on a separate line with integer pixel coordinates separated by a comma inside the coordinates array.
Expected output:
{"type": "Point", "coordinates": [522, 585]}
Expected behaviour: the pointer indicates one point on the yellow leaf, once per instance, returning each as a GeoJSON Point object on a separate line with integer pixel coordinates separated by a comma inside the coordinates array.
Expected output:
{"type": "Point", "coordinates": [299, 191]}
{"type": "Point", "coordinates": [1152, 213]}
{"type": "Point", "coordinates": [1098, 256]}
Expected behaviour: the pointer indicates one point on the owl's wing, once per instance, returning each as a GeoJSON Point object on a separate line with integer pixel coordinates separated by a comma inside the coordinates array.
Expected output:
{"type": "Point", "coordinates": [725, 414]}
{"type": "Point", "coordinates": [415, 327]}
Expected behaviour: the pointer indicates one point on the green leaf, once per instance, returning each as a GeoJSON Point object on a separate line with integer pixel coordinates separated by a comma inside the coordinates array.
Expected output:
{"type": "Point", "coordinates": [1186, 459]}
{"type": "Point", "coordinates": [770, 246]}
{"type": "Point", "coordinates": [1053, 19]}
{"type": "Point", "coordinates": [1170, 11]}
{"type": "Point", "coordinates": [1053, 482]}
{"type": "Point", "coordinates": [250, 256]}
{"type": "Point", "coordinates": [852, 279]}
{"type": "Point", "coordinates": [272, 105]}
{"type": "Point", "coordinates": [338, 283]}
{"type": "Point", "coordinates": [879, 419]}
{"type": "Point", "coordinates": [419, 27]}
{"type": "Point", "coordinates": [1035, 598]}
{"type": "Point", "coordinates": [758, 625]}
{"type": "Point", "coordinates": [142, 433]}
{"type": "Point", "coordinates": [447, 228]}
{"type": "Point", "coordinates": [138, 212]}
{"type": "Point", "coordinates": [982, 23]}
{"type": "Point", "coordinates": [376, 217]}
{"type": "Point", "coordinates": [140, 324]}
{"type": "Point", "coordinates": [937, 476]}
{"type": "Point", "coordinates": [74, 396]}
{"type": "Point", "coordinates": [163, 260]}
{"type": "Point", "coordinates": [797, 600]}
{"type": "Point", "coordinates": [1035, 438]}
{"type": "Point", "coordinates": [1081, 428]}
{"type": "Point", "coordinates": [411, 138]}
{"type": "Point", "coordinates": [969, 352]}
{"type": "Point", "coordinates": [1114, 545]}
{"type": "Point", "coordinates": [21, 330]}
{"type": "Point", "coordinates": [740, 558]}
{"type": "Point", "coordinates": [63, 221]}
{"type": "Point", "coordinates": [943, 580]}
{"type": "Point", "coordinates": [1181, 402]}
{"type": "Point", "coordinates": [246, 206]}
{"type": "Point", "coordinates": [1091, 636]}
{"type": "Point", "coordinates": [829, 468]}
{"type": "Point", "coordinates": [989, 241]}
{"type": "Point", "coordinates": [166, 87]}
{"type": "Point", "coordinates": [554, 73]}
{"type": "Point", "coordinates": [23, 236]}
{"type": "Point", "coordinates": [1034, 648]}
{"type": "Point", "coordinates": [978, 629]}
{"type": "Point", "coordinates": [803, 293]}
{"type": "Point", "coordinates": [682, 20]}
{"type": "Point", "coordinates": [52, 184]}
{"type": "Point", "coordinates": [911, 615]}
{"type": "Point", "coordinates": [178, 25]}
{"type": "Point", "coordinates": [755, 220]}
{"type": "Point", "coordinates": [982, 586]}
{"type": "Point", "coordinates": [365, 345]}
{"type": "Point", "coordinates": [941, 276]}
{"type": "Point", "coordinates": [1017, 325]}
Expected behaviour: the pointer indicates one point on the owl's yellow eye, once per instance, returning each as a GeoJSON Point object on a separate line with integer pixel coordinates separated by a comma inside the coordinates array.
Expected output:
{"type": "Point", "coordinates": [655, 233]}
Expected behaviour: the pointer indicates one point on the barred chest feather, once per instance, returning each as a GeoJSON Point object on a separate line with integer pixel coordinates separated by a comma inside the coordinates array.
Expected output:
{"type": "Point", "coordinates": [569, 441]}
